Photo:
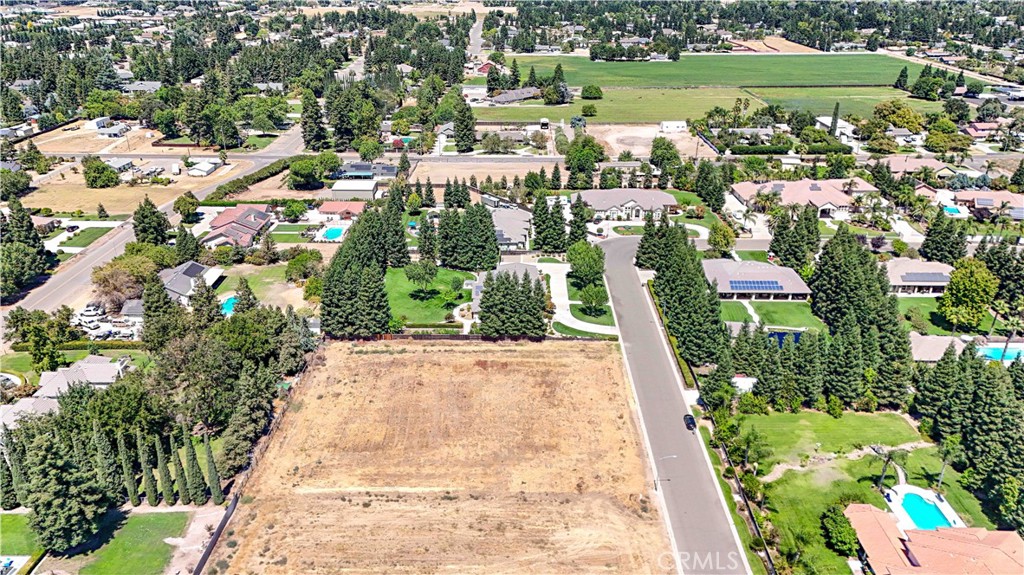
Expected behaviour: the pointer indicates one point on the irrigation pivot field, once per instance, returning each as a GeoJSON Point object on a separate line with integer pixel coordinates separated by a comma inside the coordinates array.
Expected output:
{"type": "Point", "coordinates": [727, 70]}
{"type": "Point", "coordinates": [623, 105]}
{"type": "Point", "coordinates": [857, 101]}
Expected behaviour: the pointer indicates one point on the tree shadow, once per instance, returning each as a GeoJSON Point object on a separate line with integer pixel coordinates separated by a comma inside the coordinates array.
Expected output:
{"type": "Point", "coordinates": [421, 294]}
{"type": "Point", "coordinates": [111, 521]}
{"type": "Point", "coordinates": [596, 313]}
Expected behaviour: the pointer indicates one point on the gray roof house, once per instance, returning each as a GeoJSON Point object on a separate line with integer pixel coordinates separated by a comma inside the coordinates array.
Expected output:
{"type": "Point", "coordinates": [141, 86]}
{"type": "Point", "coordinates": [930, 348]}
{"type": "Point", "coordinates": [518, 95]}
{"type": "Point", "coordinates": [627, 203]}
{"type": "Point", "coordinates": [119, 164]}
{"type": "Point", "coordinates": [11, 413]}
{"type": "Point", "coordinates": [95, 370]}
{"type": "Point", "coordinates": [912, 276]}
{"type": "Point", "coordinates": [181, 281]}
{"type": "Point", "coordinates": [754, 280]}
{"type": "Point", "coordinates": [132, 308]}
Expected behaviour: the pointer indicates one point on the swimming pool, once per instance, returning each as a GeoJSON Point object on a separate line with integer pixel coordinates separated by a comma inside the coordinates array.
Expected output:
{"type": "Point", "coordinates": [333, 232]}
{"type": "Point", "coordinates": [994, 352]}
{"type": "Point", "coordinates": [925, 514]}
{"type": "Point", "coordinates": [228, 306]}
{"type": "Point", "coordinates": [951, 210]}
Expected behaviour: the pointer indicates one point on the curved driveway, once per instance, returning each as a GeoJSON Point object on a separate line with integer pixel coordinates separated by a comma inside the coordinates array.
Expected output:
{"type": "Point", "coordinates": [700, 526]}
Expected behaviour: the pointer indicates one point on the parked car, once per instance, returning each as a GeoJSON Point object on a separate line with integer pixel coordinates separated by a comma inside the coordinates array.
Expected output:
{"type": "Point", "coordinates": [90, 325]}
{"type": "Point", "coordinates": [71, 229]}
{"type": "Point", "coordinates": [691, 423]}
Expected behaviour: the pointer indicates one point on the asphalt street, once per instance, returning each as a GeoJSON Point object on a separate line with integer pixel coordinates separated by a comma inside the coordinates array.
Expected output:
{"type": "Point", "coordinates": [704, 537]}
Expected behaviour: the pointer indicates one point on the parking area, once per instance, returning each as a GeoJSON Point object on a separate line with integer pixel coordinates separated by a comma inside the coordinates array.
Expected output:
{"type": "Point", "coordinates": [95, 322]}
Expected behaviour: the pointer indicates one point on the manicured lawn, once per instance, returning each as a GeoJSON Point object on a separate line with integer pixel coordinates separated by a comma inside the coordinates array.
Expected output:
{"type": "Point", "coordinates": [858, 101]}
{"type": "Point", "coordinates": [262, 279]}
{"type": "Point", "coordinates": [827, 232]}
{"type": "Point", "coordinates": [794, 436]}
{"type": "Point", "coordinates": [138, 545]}
{"type": "Point", "coordinates": [549, 260]}
{"type": "Point", "coordinates": [573, 332]}
{"type": "Point", "coordinates": [726, 70]}
{"type": "Point", "coordinates": [604, 318]}
{"type": "Point", "coordinates": [17, 538]}
{"type": "Point", "coordinates": [624, 106]}
{"type": "Point", "coordinates": [290, 228]}
{"type": "Point", "coordinates": [178, 140]}
{"type": "Point", "coordinates": [255, 143]}
{"type": "Point", "coordinates": [753, 256]}
{"type": "Point", "coordinates": [91, 217]}
{"type": "Point", "coordinates": [84, 237]}
{"type": "Point", "coordinates": [797, 500]}
{"type": "Point", "coordinates": [20, 362]}
{"type": "Point", "coordinates": [787, 314]}
{"type": "Point", "coordinates": [735, 311]}
{"type": "Point", "coordinates": [288, 238]}
{"type": "Point", "coordinates": [936, 323]}
{"type": "Point", "coordinates": [414, 306]}
{"type": "Point", "coordinates": [923, 466]}
{"type": "Point", "coordinates": [628, 230]}
{"type": "Point", "coordinates": [684, 198]}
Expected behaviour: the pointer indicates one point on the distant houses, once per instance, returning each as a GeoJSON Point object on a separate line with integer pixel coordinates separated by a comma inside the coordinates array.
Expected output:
{"type": "Point", "coordinates": [830, 197]}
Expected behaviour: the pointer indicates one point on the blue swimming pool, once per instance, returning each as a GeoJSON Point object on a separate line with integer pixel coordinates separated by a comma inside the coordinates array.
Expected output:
{"type": "Point", "coordinates": [333, 234]}
{"type": "Point", "coordinates": [994, 352]}
{"type": "Point", "coordinates": [951, 210]}
{"type": "Point", "coordinates": [925, 514]}
{"type": "Point", "coordinates": [228, 307]}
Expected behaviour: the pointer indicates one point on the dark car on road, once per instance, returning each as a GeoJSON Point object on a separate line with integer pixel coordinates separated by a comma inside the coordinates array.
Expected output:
{"type": "Point", "coordinates": [691, 423]}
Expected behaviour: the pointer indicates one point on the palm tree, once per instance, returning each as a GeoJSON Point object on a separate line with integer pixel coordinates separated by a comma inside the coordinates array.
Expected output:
{"type": "Point", "coordinates": [990, 165]}
{"type": "Point", "coordinates": [888, 457]}
{"type": "Point", "coordinates": [748, 218]}
{"type": "Point", "coordinates": [765, 201]}
{"type": "Point", "coordinates": [926, 175]}
{"type": "Point", "coordinates": [1001, 309]}
{"type": "Point", "coordinates": [1013, 325]}
{"type": "Point", "coordinates": [951, 452]}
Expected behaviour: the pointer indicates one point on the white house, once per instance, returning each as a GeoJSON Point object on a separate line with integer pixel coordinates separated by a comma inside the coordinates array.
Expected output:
{"type": "Point", "coordinates": [97, 123]}
{"type": "Point", "coordinates": [627, 203]}
{"type": "Point", "coordinates": [115, 130]}
{"type": "Point", "coordinates": [119, 164]}
{"type": "Point", "coordinates": [673, 126]}
{"type": "Point", "coordinates": [201, 170]}
{"type": "Point", "coordinates": [844, 129]}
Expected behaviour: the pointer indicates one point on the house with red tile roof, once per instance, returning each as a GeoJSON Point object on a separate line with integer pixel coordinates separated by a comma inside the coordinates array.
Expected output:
{"type": "Point", "coordinates": [828, 196]}
{"type": "Point", "coordinates": [344, 210]}
{"type": "Point", "coordinates": [238, 226]}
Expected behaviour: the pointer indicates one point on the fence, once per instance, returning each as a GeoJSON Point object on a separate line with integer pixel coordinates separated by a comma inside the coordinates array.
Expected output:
{"type": "Point", "coordinates": [216, 536]}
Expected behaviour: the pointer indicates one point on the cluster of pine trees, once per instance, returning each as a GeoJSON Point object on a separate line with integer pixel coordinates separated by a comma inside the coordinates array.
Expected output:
{"type": "Point", "coordinates": [945, 241]}
{"type": "Point", "coordinates": [424, 193]}
{"type": "Point", "coordinates": [22, 255]}
{"type": "Point", "coordinates": [513, 306]}
{"type": "Point", "coordinates": [456, 195]}
{"type": "Point", "coordinates": [549, 234]}
{"type": "Point", "coordinates": [690, 305]}
{"type": "Point", "coordinates": [796, 237]}
{"type": "Point", "coordinates": [467, 240]}
{"type": "Point", "coordinates": [1006, 263]}
{"type": "Point", "coordinates": [975, 410]}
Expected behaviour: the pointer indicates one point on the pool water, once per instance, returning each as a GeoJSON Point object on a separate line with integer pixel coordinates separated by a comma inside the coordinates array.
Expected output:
{"type": "Point", "coordinates": [925, 514]}
{"type": "Point", "coordinates": [333, 234]}
{"type": "Point", "coordinates": [995, 352]}
{"type": "Point", "coordinates": [228, 307]}
{"type": "Point", "coordinates": [951, 210]}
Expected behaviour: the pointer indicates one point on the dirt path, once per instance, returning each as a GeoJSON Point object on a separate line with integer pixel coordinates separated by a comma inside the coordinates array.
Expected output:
{"type": "Point", "coordinates": [189, 548]}
{"type": "Point", "coordinates": [821, 460]}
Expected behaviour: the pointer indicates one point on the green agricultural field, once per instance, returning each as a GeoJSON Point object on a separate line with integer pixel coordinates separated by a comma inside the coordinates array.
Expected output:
{"type": "Point", "coordinates": [727, 70]}
{"type": "Point", "coordinates": [794, 436]}
{"type": "Point", "coordinates": [138, 546]}
{"type": "Point", "coordinates": [84, 237]}
{"type": "Point", "coordinates": [858, 101]}
{"type": "Point", "coordinates": [623, 106]}
{"type": "Point", "coordinates": [787, 314]}
{"type": "Point", "coordinates": [409, 302]}
{"type": "Point", "coordinates": [735, 311]}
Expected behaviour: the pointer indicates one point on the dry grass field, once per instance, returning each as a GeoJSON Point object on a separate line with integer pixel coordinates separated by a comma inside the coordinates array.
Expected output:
{"type": "Point", "coordinates": [637, 138]}
{"type": "Point", "coordinates": [777, 45]}
{"type": "Point", "coordinates": [442, 457]}
{"type": "Point", "coordinates": [438, 171]}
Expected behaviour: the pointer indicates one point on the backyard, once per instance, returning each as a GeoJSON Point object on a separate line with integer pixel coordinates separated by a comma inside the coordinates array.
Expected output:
{"type": "Point", "coordinates": [415, 305]}
{"type": "Point", "coordinates": [267, 283]}
{"type": "Point", "coordinates": [17, 538]}
{"type": "Point", "coordinates": [753, 256]}
{"type": "Point", "coordinates": [19, 363]}
{"type": "Point", "coordinates": [795, 314]}
{"type": "Point", "coordinates": [726, 70]}
{"type": "Point", "coordinates": [922, 315]}
{"type": "Point", "coordinates": [735, 311]}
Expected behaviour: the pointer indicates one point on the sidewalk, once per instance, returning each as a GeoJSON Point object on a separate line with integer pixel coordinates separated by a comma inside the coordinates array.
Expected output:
{"type": "Point", "coordinates": [560, 297]}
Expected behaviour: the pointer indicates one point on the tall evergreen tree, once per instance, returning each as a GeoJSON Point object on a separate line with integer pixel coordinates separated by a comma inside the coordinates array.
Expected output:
{"type": "Point", "coordinates": [150, 224]}
{"type": "Point", "coordinates": [428, 239]}
{"type": "Point", "coordinates": [465, 127]}
{"type": "Point", "coordinates": [127, 473]}
{"type": "Point", "coordinates": [541, 215]}
{"type": "Point", "coordinates": [844, 377]}
{"type": "Point", "coordinates": [896, 363]}
{"type": "Point", "coordinates": [809, 367]}
{"type": "Point", "coordinates": [161, 316]}
{"type": "Point", "coordinates": [180, 480]}
{"type": "Point", "coordinates": [206, 309]}
{"type": "Point", "coordinates": [166, 484]}
{"type": "Point", "coordinates": [374, 310]}
{"type": "Point", "coordinates": [394, 241]}
{"type": "Point", "coordinates": [448, 230]}
{"type": "Point", "coordinates": [104, 465]}
{"type": "Point", "coordinates": [992, 429]}
{"type": "Point", "coordinates": [186, 245]}
{"type": "Point", "coordinates": [903, 80]}
{"type": "Point", "coordinates": [314, 135]}
{"type": "Point", "coordinates": [146, 463]}
{"type": "Point", "coordinates": [709, 185]}
{"type": "Point", "coordinates": [578, 224]}
{"type": "Point", "coordinates": [556, 230]}
{"type": "Point", "coordinates": [556, 178]}
{"type": "Point", "coordinates": [834, 126]}
{"type": "Point", "coordinates": [245, 299]}
{"type": "Point", "coordinates": [647, 252]}
{"type": "Point", "coordinates": [8, 496]}
{"type": "Point", "coordinates": [197, 490]}
{"type": "Point", "coordinates": [945, 240]}
{"type": "Point", "coordinates": [217, 494]}
{"type": "Point", "coordinates": [19, 228]}
{"type": "Point", "coordinates": [933, 386]}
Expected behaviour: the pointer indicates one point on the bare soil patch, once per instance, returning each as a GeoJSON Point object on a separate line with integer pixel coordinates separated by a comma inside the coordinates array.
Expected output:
{"type": "Point", "coordinates": [776, 45]}
{"type": "Point", "coordinates": [467, 457]}
{"type": "Point", "coordinates": [637, 138]}
{"type": "Point", "coordinates": [439, 171]}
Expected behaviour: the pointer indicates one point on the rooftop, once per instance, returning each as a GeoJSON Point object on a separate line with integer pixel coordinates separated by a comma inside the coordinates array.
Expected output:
{"type": "Point", "coordinates": [912, 272]}
{"type": "Point", "coordinates": [806, 192]}
{"type": "Point", "coordinates": [646, 199]}
{"type": "Point", "coordinates": [753, 277]}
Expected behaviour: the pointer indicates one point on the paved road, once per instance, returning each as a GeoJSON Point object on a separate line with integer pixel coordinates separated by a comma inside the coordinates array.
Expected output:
{"type": "Point", "coordinates": [697, 519]}
{"type": "Point", "coordinates": [476, 39]}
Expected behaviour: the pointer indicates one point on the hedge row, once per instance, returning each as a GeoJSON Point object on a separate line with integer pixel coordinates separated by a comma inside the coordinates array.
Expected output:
{"type": "Point", "coordinates": [818, 149]}
{"type": "Point", "coordinates": [275, 202]}
{"type": "Point", "coordinates": [82, 344]}
{"type": "Point", "coordinates": [765, 150]}
{"type": "Point", "coordinates": [243, 183]}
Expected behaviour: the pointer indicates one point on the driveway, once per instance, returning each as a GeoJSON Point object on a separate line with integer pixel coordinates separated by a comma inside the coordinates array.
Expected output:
{"type": "Point", "coordinates": [701, 528]}
{"type": "Point", "coordinates": [560, 297]}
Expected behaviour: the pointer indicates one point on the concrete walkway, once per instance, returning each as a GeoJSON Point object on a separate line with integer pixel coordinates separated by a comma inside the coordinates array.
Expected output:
{"type": "Point", "coordinates": [560, 297]}
{"type": "Point", "coordinates": [754, 318]}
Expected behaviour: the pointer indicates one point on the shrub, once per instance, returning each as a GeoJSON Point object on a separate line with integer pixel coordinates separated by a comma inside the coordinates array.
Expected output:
{"type": "Point", "coordinates": [243, 183]}
{"type": "Point", "coordinates": [764, 150]}
{"type": "Point", "coordinates": [835, 407]}
{"type": "Point", "coordinates": [839, 534]}
{"type": "Point", "coordinates": [751, 404]}
{"type": "Point", "coordinates": [85, 344]}
{"type": "Point", "coordinates": [899, 246]}
{"type": "Point", "coordinates": [591, 92]}
{"type": "Point", "coordinates": [589, 110]}
{"type": "Point", "coordinates": [824, 149]}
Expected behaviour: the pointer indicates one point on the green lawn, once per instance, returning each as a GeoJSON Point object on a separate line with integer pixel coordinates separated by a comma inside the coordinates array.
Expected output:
{"type": "Point", "coordinates": [17, 538]}
{"type": "Point", "coordinates": [290, 228]}
{"type": "Point", "coordinates": [727, 70]}
{"type": "Point", "coordinates": [753, 256]}
{"type": "Point", "coordinates": [262, 279]}
{"type": "Point", "coordinates": [936, 323]}
{"type": "Point", "coordinates": [858, 101]}
{"type": "Point", "coordinates": [796, 435]}
{"type": "Point", "coordinates": [549, 260]}
{"type": "Point", "coordinates": [624, 106]}
{"type": "Point", "coordinates": [735, 311]}
{"type": "Point", "coordinates": [289, 238]}
{"type": "Point", "coordinates": [138, 545]}
{"type": "Point", "coordinates": [628, 230]}
{"type": "Point", "coordinates": [923, 466]}
{"type": "Point", "coordinates": [787, 314]}
{"type": "Point", "coordinates": [571, 331]}
{"type": "Point", "coordinates": [84, 237]}
{"type": "Point", "coordinates": [409, 303]}
{"type": "Point", "coordinates": [20, 362]}
{"type": "Point", "coordinates": [604, 318]}
{"type": "Point", "coordinates": [255, 143]}
{"type": "Point", "coordinates": [827, 232]}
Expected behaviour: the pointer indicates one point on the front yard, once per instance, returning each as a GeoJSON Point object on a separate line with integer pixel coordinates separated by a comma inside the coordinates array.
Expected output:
{"type": "Point", "coordinates": [414, 305]}
{"type": "Point", "coordinates": [84, 237]}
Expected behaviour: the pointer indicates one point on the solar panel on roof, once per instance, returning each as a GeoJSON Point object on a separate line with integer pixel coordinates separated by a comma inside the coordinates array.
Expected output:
{"type": "Point", "coordinates": [925, 277]}
{"type": "Point", "coordinates": [984, 202]}
{"type": "Point", "coordinates": [754, 285]}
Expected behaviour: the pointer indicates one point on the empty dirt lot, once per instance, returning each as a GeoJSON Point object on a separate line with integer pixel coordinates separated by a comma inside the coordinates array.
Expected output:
{"type": "Point", "coordinates": [637, 139]}
{"type": "Point", "coordinates": [441, 457]}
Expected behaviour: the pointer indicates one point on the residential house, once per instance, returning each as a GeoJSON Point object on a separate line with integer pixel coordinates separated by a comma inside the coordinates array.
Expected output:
{"type": "Point", "coordinates": [512, 226]}
{"type": "Point", "coordinates": [891, 550]}
{"type": "Point", "coordinates": [845, 131]}
{"type": "Point", "coordinates": [627, 203]}
{"type": "Point", "coordinates": [115, 130]}
{"type": "Point", "coordinates": [26, 406]}
{"type": "Point", "coordinates": [992, 201]}
{"type": "Point", "coordinates": [12, 166]}
{"type": "Point", "coordinates": [517, 95]}
{"type": "Point", "coordinates": [132, 309]}
{"type": "Point", "coordinates": [202, 169]}
{"type": "Point", "coordinates": [905, 137]}
{"type": "Point", "coordinates": [352, 189]}
{"type": "Point", "coordinates": [96, 123]}
{"type": "Point", "coordinates": [120, 164]}
{"type": "Point", "coordinates": [981, 130]}
{"type": "Point", "coordinates": [264, 87]}
{"type": "Point", "coordinates": [908, 165]}
{"type": "Point", "coordinates": [830, 197]}
{"type": "Point", "coordinates": [910, 276]}
{"type": "Point", "coordinates": [476, 286]}
{"type": "Point", "coordinates": [755, 280]}
{"type": "Point", "coordinates": [343, 210]}
{"type": "Point", "coordinates": [141, 87]}
{"type": "Point", "coordinates": [931, 348]}
{"type": "Point", "coordinates": [95, 370]}
{"type": "Point", "coordinates": [180, 282]}
{"type": "Point", "coordinates": [238, 226]}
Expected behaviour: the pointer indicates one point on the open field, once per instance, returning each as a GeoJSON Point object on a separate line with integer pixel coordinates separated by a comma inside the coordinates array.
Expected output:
{"type": "Point", "coordinates": [472, 458]}
{"type": "Point", "coordinates": [637, 139]}
{"type": "Point", "coordinates": [438, 171]}
{"type": "Point", "coordinates": [858, 101]}
{"type": "Point", "coordinates": [727, 70]}
{"type": "Point", "coordinates": [82, 141]}
{"type": "Point", "coordinates": [777, 45]}
{"type": "Point", "coordinates": [624, 105]}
